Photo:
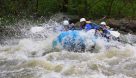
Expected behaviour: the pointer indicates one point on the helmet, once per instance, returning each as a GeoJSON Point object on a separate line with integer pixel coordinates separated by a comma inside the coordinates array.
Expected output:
{"type": "Point", "coordinates": [82, 19]}
{"type": "Point", "coordinates": [65, 22]}
{"type": "Point", "coordinates": [103, 23]}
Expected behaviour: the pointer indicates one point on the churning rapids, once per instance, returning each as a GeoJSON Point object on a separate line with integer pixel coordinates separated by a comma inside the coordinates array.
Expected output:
{"type": "Point", "coordinates": [31, 56]}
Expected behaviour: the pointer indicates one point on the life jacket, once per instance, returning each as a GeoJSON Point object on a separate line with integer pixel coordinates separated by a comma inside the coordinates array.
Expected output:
{"type": "Point", "coordinates": [88, 27]}
{"type": "Point", "coordinates": [91, 26]}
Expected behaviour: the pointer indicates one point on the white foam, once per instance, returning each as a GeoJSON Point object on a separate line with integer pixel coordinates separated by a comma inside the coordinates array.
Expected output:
{"type": "Point", "coordinates": [36, 29]}
{"type": "Point", "coordinates": [112, 60]}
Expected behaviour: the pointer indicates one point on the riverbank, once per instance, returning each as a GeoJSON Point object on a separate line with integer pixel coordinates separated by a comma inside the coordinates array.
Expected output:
{"type": "Point", "coordinates": [123, 25]}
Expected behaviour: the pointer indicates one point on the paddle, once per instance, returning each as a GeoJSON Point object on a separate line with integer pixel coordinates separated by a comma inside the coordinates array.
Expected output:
{"type": "Point", "coordinates": [114, 33]}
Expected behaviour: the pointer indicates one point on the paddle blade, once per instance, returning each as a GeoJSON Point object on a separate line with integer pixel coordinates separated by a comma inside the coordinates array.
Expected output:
{"type": "Point", "coordinates": [115, 33]}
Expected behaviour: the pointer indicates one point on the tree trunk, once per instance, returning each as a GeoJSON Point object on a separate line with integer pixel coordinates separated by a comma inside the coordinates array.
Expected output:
{"type": "Point", "coordinates": [36, 6]}
{"type": "Point", "coordinates": [110, 7]}
{"type": "Point", "coordinates": [65, 5]}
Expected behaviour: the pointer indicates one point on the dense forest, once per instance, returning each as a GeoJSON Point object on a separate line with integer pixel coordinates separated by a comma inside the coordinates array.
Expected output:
{"type": "Point", "coordinates": [82, 8]}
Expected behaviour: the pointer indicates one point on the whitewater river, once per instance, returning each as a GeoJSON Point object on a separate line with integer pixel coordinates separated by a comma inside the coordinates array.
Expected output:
{"type": "Point", "coordinates": [31, 56]}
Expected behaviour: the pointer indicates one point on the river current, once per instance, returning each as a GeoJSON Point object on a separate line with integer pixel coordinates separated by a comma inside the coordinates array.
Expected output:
{"type": "Point", "coordinates": [32, 56]}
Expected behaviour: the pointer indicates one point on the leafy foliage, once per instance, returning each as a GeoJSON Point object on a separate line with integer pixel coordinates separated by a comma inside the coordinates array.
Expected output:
{"type": "Point", "coordinates": [82, 8]}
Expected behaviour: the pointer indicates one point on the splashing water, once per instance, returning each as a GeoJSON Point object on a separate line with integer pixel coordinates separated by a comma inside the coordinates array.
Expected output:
{"type": "Point", "coordinates": [31, 56]}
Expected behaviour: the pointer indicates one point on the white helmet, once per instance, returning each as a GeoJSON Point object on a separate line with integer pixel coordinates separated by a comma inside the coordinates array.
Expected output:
{"type": "Point", "coordinates": [82, 19]}
{"type": "Point", "coordinates": [65, 22]}
{"type": "Point", "coordinates": [103, 23]}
